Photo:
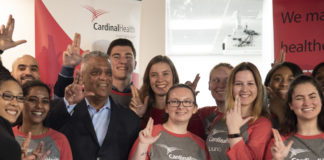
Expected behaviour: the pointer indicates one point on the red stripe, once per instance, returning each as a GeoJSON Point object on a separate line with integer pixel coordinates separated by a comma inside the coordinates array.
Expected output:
{"type": "Point", "coordinates": [121, 93]}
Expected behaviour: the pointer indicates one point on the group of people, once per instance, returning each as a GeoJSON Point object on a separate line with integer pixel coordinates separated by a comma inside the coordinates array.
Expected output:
{"type": "Point", "coordinates": [97, 113]}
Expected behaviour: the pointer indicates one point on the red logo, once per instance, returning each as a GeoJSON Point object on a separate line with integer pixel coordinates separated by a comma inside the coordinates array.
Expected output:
{"type": "Point", "coordinates": [95, 13]}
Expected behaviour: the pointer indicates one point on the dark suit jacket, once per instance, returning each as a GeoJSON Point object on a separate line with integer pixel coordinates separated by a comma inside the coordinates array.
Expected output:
{"type": "Point", "coordinates": [123, 130]}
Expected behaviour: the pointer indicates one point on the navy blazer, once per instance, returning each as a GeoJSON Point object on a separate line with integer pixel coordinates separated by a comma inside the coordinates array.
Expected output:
{"type": "Point", "coordinates": [122, 131]}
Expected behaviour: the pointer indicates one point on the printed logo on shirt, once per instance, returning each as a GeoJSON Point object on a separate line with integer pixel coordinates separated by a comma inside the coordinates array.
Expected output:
{"type": "Point", "coordinates": [215, 131]}
{"type": "Point", "coordinates": [294, 152]}
{"type": "Point", "coordinates": [173, 156]}
{"type": "Point", "coordinates": [217, 139]}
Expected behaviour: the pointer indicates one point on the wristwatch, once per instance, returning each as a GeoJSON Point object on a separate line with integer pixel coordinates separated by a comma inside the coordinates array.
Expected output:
{"type": "Point", "coordinates": [235, 135]}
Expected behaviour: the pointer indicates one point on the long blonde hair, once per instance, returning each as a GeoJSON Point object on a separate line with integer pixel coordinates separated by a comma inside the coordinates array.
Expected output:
{"type": "Point", "coordinates": [258, 108]}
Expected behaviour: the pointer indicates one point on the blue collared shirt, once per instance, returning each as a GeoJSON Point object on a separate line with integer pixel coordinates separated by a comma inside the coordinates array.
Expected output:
{"type": "Point", "coordinates": [100, 119]}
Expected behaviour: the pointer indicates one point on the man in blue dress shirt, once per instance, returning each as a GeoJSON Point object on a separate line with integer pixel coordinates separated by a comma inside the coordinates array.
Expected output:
{"type": "Point", "coordinates": [96, 127]}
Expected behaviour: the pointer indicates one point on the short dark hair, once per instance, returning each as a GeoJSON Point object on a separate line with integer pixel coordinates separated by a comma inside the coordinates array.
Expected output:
{"type": "Point", "coordinates": [7, 77]}
{"type": "Point", "coordinates": [226, 65]}
{"type": "Point", "coordinates": [316, 69]}
{"type": "Point", "coordinates": [34, 83]}
{"type": "Point", "coordinates": [290, 122]}
{"type": "Point", "coordinates": [121, 42]}
{"type": "Point", "coordinates": [294, 68]}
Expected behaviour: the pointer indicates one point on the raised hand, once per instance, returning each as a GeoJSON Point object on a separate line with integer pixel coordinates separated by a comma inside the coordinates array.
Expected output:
{"type": "Point", "coordinates": [37, 154]}
{"type": "Point", "coordinates": [282, 58]}
{"type": "Point", "coordinates": [145, 135]}
{"type": "Point", "coordinates": [6, 32]}
{"type": "Point", "coordinates": [136, 104]}
{"type": "Point", "coordinates": [74, 92]}
{"type": "Point", "coordinates": [234, 120]}
{"type": "Point", "coordinates": [194, 84]}
{"type": "Point", "coordinates": [279, 150]}
{"type": "Point", "coordinates": [72, 56]}
{"type": "Point", "coordinates": [24, 145]}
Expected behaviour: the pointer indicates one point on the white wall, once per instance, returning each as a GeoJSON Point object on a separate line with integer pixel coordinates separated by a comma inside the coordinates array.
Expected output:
{"type": "Point", "coordinates": [24, 28]}
{"type": "Point", "coordinates": [152, 38]}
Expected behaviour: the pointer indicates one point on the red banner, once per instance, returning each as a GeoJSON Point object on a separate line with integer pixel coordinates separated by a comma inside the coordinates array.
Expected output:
{"type": "Point", "coordinates": [299, 31]}
{"type": "Point", "coordinates": [50, 42]}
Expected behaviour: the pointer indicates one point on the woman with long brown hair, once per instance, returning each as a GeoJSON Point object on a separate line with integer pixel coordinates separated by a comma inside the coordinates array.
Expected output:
{"type": "Point", "coordinates": [245, 132]}
{"type": "Point", "coordinates": [159, 76]}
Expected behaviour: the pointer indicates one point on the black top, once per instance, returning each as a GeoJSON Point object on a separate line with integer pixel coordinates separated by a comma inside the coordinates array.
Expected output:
{"type": "Point", "coordinates": [9, 147]}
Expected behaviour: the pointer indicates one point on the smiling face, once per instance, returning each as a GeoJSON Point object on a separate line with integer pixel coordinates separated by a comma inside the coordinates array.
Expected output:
{"type": "Point", "coordinates": [25, 69]}
{"type": "Point", "coordinates": [123, 62]}
{"type": "Point", "coordinates": [36, 105]}
{"type": "Point", "coordinates": [217, 83]}
{"type": "Point", "coordinates": [97, 77]}
{"type": "Point", "coordinates": [180, 113]}
{"type": "Point", "coordinates": [245, 87]}
{"type": "Point", "coordinates": [10, 109]}
{"type": "Point", "coordinates": [280, 81]}
{"type": "Point", "coordinates": [306, 102]}
{"type": "Point", "coordinates": [160, 78]}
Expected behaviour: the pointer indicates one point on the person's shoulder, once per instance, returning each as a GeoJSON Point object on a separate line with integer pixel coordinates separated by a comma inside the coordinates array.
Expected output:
{"type": "Point", "coordinates": [120, 110]}
{"type": "Point", "coordinates": [56, 135]}
{"type": "Point", "coordinates": [261, 121]}
{"type": "Point", "coordinates": [208, 109]}
{"type": "Point", "coordinates": [196, 138]}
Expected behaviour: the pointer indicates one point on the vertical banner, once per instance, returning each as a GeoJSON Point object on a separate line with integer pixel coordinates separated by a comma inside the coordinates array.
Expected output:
{"type": "Point", "coordinates": [299, 31]}
{"type": "Point", "coordinates": [98, 21]}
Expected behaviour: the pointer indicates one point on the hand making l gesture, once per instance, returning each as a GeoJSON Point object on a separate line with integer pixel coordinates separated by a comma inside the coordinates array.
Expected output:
{"type": "Point", "coordinates": [234, 120]}
{"type": "Point", "coordinates": [136, 104]}
{"type": "Point", "coordinates": [37, 154]}
{"type": "Point", "coordinates": [72, 56]}
{"type": "Point", "coordinates": [6, 32]}
{"type": "Point", "coordinates": [194, 84]}
{"type": "Point", "coordinates": [145, 135]}
{"type": "Point", "coordinates": [74, 92]}
{"type": "Point", "coordinates": [279, 150]}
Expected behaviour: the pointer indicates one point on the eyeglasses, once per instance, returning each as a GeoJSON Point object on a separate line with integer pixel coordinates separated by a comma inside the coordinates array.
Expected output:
{"type": "Point", "coordinates": [10, 97]}
{"type": "Point", "coordinates": [34, 100]}
{"type": "Point", "coordinates": [185, 103]}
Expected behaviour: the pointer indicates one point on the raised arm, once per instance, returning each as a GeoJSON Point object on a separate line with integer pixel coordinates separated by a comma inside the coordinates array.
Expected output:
{"type": "Point", "coordinates": [145, 139]}
{"type": "Point", "coordinates": [6, 32]}
{"type": "Point", "coordinates": [71, 58]}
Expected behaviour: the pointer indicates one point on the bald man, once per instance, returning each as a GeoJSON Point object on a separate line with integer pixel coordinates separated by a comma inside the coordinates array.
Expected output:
{"type": "Point", "coordinates": [25, 68]}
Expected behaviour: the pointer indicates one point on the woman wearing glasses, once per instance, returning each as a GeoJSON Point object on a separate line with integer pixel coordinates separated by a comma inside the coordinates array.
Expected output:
{"type": "Point", "coordinates": [36, 107]}
{"type": "Point", "coordinates": [245, 132]}
{"type": "Point", "coordinates": [11, 105]}
{"type": "Point", "coordinates": [171, 140]}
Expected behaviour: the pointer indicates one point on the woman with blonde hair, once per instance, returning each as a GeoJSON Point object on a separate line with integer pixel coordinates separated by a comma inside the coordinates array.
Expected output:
{"type": "Point", "coordinates": [245, 132]}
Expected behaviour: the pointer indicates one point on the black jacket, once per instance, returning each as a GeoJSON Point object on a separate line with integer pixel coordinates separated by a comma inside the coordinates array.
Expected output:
{"type": "Point", "coordinates": [123, 130]}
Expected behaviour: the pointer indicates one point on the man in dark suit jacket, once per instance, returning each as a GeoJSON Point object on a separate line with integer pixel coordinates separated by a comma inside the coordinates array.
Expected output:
{"type": "Point", "coordinates": [96, 127]}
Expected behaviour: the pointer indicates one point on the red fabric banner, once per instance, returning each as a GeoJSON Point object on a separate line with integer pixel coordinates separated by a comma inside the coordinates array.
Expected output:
{"type": "Point", "coordinates": [298, 30]}
{"type": "Point", "coordinates": [50, 42]}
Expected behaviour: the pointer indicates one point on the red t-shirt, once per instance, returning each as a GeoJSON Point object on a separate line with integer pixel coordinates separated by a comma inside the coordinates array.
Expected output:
{"type": "Point", "coordinates": [200, 123]}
